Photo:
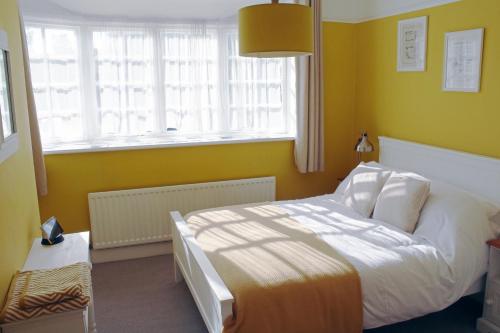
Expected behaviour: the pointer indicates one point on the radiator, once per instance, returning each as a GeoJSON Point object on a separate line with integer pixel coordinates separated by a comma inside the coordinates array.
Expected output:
{"type": "Point", "coordinates": [141, 216]}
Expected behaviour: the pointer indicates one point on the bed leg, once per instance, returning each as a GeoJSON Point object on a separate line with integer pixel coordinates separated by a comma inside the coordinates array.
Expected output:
{"type": "Point", "coordinates": [177, 273]}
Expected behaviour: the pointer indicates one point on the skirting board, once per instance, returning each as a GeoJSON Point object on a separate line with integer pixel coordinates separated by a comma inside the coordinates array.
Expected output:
{"type": "Point", "coordinates": [485, 326]}
{"type": "Point", "coordinates": [131, 252]}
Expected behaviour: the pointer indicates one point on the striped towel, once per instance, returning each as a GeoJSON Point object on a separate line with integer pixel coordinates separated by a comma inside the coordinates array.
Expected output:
{"type": "Point", "coordinates": [36, 293]}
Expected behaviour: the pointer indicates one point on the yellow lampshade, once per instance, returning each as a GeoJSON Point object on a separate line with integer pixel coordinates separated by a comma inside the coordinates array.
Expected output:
{"type": "Point", "coordinates": [276, 30]}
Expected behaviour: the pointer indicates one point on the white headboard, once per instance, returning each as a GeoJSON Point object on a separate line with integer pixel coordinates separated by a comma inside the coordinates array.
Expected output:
{"type": "Point", "coordinates": [474, 173]}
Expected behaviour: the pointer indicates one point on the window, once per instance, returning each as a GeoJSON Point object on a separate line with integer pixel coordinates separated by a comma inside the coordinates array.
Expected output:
{"type": "Point", "coordinates": [55, 70]}
{"type": "Point", "coordinates": [191, 79]}
{"type": "Point", "coordinates": [124, 85]}
{"type": "Point", "coordinates": [123, 61]}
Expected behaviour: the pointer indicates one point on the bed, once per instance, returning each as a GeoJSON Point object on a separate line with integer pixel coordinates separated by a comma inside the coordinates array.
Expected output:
{"type": "Point", "coordinates": [403, 275]}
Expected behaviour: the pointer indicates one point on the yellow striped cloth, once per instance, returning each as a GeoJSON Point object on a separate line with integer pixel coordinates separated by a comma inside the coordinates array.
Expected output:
{"type": "Point", "coordinates": [36, 293]}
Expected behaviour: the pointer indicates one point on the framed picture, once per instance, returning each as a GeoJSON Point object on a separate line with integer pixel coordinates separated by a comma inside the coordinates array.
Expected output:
{"type": "Point", "coordinates": [463, 53]}
{"type": "Point", "coordinates": [9, 141]}
{"type": "Point", "coordinates": [412, 44]}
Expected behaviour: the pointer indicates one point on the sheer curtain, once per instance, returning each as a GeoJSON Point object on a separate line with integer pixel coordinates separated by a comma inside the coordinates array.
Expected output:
{"type": "Point", "coordinates": [122, 63]}
{"type": "Point", "coordinates": [98, 83]}
{"type": "Point", "coordinates": [259, 89]}
{"type": "Point", "coordinates": [56, 76]}
{"type": "Point", "coordinates": [191, 78]}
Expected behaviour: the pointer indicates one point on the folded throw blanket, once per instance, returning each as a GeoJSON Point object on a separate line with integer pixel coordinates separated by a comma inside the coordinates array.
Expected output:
{"type": "Point", "coordinates": [37, 293]}
{"type": "Point", "coordinates": [52, 286]}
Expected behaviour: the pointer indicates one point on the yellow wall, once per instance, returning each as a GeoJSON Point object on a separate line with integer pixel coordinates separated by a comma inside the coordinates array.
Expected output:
{"type": "Point", "coordinates": [413, 106]}
{"type": "Point", "coordinates": [19, 217]}
{"type": "Point", "coordinates": [71, 177]}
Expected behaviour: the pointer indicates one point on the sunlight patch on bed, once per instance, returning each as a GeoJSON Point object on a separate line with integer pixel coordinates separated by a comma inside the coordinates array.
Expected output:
{"type": "Point", "coordinates": [254, 231]}
{"type": "Point", "coordinates": [260, 264]}
{"type": "Point", "coordinates": [216, 238]}
{"type": "Point", "coordinates": [306, 258]}
{"type": "Point", "coordinates": [266, 210]}
{"type": "Point", "coordinates": [283, 261]}
{"type": "Point", "coordinates": [225, 215]}
{"type": "Point", "coordinates": [292, 225]}
{"type": "Point", "coordinates": [365, 251]}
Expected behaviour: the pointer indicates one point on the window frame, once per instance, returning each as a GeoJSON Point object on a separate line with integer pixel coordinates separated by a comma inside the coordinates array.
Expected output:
{"type": "Point", "coordinates": [92, 142]}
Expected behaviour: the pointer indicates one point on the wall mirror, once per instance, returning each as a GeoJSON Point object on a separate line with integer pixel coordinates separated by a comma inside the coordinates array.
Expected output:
{"type": "Point", "coordinates": [8, 132]}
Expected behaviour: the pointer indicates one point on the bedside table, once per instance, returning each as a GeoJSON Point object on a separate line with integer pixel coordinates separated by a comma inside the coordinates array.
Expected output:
{"type": "Point", "coordinates": [74, 249]}
{"type": "Point", "coordinates": [490, 322]}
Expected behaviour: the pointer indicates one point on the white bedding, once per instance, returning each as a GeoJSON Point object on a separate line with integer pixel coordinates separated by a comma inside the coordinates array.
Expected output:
{"type": "Point", "coordinates": [402, 275]}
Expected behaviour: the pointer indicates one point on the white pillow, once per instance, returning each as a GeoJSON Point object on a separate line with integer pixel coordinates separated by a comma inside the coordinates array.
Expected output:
{"type": "Point", "coordinates": [364, 187]}
{"type": "Point", "coordinates": [401, 200]}
{"type": "Point", "coordinates": [495, 225]}
{"type": "Point", "coordinates": [343, 185]}
{"type": "Point", "coordinates": [457, 224]}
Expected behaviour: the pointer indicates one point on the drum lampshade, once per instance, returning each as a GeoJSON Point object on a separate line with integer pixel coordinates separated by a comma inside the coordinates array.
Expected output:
{"type": "Point", "coordinates": [276, 30]}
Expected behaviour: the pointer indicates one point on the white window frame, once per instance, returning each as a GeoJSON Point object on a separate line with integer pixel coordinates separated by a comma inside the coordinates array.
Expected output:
{"type": "Point", "coordinates": [10, 145]}
{"type": "Point", "coordinates": [163, 139]}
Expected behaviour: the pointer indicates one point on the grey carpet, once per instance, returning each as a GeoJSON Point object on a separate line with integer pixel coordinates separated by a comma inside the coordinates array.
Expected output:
{"type": "Point", "coordinates": [140, 295]}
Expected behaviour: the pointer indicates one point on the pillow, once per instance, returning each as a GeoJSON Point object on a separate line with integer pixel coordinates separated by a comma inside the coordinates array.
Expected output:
{"type": "Point", "coordinates": [363, 188]}
{"type": "Point", "coordinates": [401, 200]}
{"type": "Point", "coordinates": [343, 184]}
{"type": "Point", "coordinates": [457, 223]}
{"type": "Point", "coordinates": [491, 209]}
{"type": "Point", "coordinates": [495, 225]}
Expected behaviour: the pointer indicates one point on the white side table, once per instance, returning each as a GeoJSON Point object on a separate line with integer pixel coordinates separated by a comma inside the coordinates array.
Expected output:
{"type": "Point", "coordinates": [490, 322]}
{"type": "Point", "coordinates": [74, 249]}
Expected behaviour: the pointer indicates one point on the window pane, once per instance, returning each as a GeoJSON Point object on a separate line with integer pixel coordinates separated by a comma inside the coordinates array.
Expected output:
{"type": "Point", "coordinates": [191, 80]}
{"type": "Point", "coordinates": [55, 73]}
{"type": "Point", "coordinates": [124, 79]}
{"type": "Point", "coordinates": [258, 91]}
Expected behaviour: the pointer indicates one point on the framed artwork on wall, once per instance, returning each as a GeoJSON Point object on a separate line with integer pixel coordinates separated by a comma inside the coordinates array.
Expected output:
{"type": "Point", "coordinates": [463, 53]}
{"type": "Point", "coordinates": [412, 44]}
{"type": "Point", "coordinates": [9, 141]}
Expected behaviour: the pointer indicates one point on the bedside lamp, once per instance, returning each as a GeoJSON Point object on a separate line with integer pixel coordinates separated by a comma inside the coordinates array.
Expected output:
{"type": "Point", "coordinates": [363, 146]}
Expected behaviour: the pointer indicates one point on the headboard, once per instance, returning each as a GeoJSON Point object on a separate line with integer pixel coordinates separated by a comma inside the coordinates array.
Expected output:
{"type": "Point", "coordinates": [474, 173]}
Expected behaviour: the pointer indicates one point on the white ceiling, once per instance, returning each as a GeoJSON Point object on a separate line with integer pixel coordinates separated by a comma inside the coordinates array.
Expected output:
{"type": "Point", "coordinates": [136, 9]}
{"type": "Point", "coordinates": [333, 10]}
{"type": "Point", "coordinates": [354, 11]}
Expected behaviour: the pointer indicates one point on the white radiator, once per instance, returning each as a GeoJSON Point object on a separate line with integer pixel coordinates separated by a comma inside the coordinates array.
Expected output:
{"type": "Point", "coordinates": [141, 216]}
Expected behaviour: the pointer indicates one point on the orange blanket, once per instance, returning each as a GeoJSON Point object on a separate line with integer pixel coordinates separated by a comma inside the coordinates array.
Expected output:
{"type": "Point", "coordinates": [282, 276]}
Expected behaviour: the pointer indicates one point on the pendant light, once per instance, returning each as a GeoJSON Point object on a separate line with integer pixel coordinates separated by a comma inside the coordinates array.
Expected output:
{"type": "Point", "coordinates": [276, 30]}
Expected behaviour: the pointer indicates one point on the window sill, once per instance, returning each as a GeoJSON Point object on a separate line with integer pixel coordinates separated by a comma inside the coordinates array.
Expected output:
{"type": "Point", "coordinates": [156, 143]}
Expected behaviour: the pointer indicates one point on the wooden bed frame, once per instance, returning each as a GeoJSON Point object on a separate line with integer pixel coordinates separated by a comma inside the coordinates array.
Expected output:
{"type": "Point", "coordinates": [477, 174]}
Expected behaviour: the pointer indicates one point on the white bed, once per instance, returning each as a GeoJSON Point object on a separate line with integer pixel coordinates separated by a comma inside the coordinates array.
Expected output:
{"type": "Point", "coordinates": [402, 275]}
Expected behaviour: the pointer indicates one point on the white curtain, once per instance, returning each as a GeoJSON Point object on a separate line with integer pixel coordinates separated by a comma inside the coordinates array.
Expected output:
{"type": "Point", "coordinates": [309, 142]}
{"type": "Point", "coordinates": [191, 78]}
{"type": "Point", "coordinates": [122, 60]}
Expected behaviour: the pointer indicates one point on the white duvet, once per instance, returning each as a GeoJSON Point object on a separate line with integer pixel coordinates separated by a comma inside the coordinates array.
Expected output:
{"type": "Point", "coordinates": [403, 276]}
